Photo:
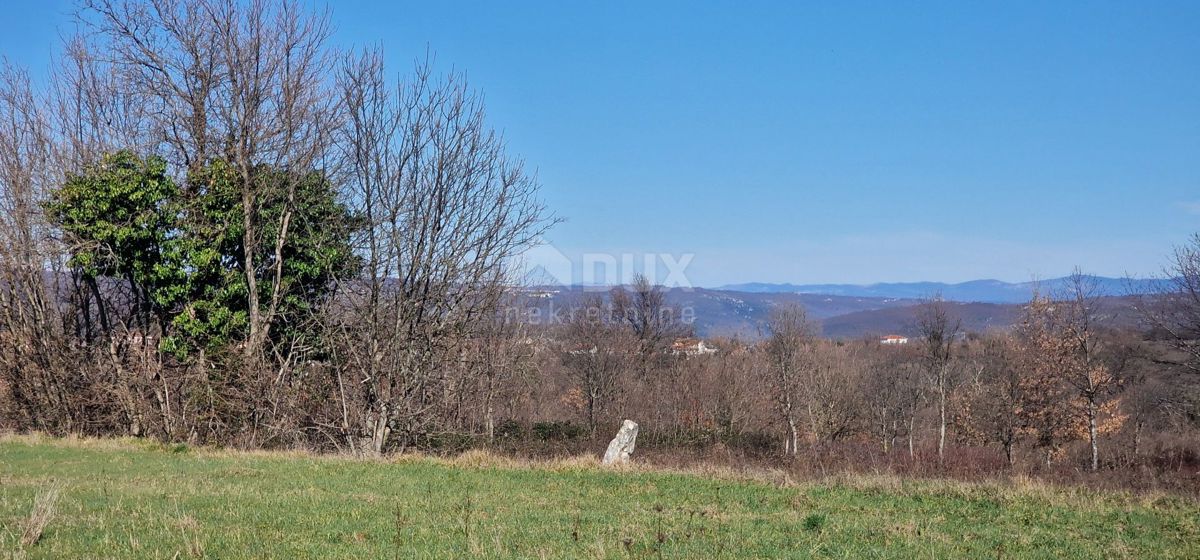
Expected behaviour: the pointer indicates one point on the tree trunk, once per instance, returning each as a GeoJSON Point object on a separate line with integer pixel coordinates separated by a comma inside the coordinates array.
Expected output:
{"type": "Point", "coordinates": [1092, 435]}
{"type": "Point", "coordinates": [101, 309]}
{"type": "Point", "coordinates": [912, 423]}
{"type": "Point", "coordinates": [883, 431]}
{"type": "Point", "coordinates": [793, 440]}
{"type": "Point", "coordinates": [593, 396]}
{"type": "Point", "coordinates": [941, 423]}
{"type": "Point", "coordinates": [380, 431]}
{"type": "Point", "coordinates": [490, 421]}
{"type": "Point", "coordinates": [1137, 439]}
{"type": "Point", "coordinates": [248, 245]}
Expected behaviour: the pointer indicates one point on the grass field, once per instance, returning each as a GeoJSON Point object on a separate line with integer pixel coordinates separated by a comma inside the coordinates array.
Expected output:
{"type": "Point", "coordinates": [130, 499]}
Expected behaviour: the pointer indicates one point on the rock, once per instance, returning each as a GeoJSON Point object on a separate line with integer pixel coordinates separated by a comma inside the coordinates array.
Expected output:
{"type": "Point", "coordinates": [621, 447]}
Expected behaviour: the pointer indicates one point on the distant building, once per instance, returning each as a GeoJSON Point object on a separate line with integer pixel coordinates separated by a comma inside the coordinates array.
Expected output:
{"type": "Point", "coordinates": [692, 347]}
{"type": "Point", "coordinates": [894, 339]}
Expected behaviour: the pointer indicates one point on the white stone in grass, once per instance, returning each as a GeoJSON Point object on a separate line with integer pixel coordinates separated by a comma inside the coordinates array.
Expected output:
{"type": "Point", "coordinates": [621, 447]}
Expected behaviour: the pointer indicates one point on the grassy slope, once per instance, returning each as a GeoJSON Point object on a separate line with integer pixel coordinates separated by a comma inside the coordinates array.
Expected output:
{"type": "Point", "coordinates": [133, 500]}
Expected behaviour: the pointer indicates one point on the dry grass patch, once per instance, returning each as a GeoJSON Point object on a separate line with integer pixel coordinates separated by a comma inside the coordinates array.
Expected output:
{"type": "Point", "coordinates": [42, 513]}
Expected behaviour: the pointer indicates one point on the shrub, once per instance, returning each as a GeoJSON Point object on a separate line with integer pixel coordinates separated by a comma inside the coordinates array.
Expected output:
{"type": "Point", "coordinates": [510, 430]}
{"type": "Point", "coordinates": [558, 431]}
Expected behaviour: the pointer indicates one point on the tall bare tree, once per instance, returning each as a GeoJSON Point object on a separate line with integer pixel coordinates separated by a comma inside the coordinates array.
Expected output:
{"type": "Point", "coordinates": [447, 210]}
{"type": "Point", "coordinates": [896, 387]}
{"type": "Point", "coordinates": [939, 331]}
{"type": "Point", "coordinates": [31, 367]}
{"type": "Point", "coordinates": [655, 323]}
{"type": "Point", "coordinates": [1084, 368]}
{"type": "Point", "coordinates": [788, 350]}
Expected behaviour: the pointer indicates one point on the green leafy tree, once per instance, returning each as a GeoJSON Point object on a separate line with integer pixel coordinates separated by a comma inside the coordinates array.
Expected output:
{"type": "Point", "coordinates": [300, 225]}
{"type": "Point", "coordinates": [121, 217]}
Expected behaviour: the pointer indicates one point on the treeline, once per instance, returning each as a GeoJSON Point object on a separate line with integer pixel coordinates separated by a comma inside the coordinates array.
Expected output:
{"type": "Point", "coordinates": [1061, 390]}
{"type": "Point", "coordinates": [217, 228]}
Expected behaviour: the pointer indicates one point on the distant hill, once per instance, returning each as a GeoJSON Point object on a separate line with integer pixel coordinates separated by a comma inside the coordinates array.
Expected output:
{"type": "Point", "coordinates": [719, 312]}
{"type": "Point", "coordinates": [974, 317]}
{"type": "Point", "coordinates": [725, 313]}
{"type": "Point", "coordinates": [983, 291]}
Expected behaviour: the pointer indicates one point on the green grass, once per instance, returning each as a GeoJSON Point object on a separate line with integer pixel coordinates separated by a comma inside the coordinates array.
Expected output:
{"type": "Point", "coordinates": [129, 499]}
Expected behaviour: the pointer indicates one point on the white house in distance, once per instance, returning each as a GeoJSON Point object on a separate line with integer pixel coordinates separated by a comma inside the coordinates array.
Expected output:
{"type": "Point", "coordinates": [692, 347]}
{"type": "Point", "coordinates": [893, 339]}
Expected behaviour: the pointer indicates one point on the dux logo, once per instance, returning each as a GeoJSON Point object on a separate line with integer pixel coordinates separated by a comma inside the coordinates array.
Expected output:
{"type": "Point", "coordinates": [548, 266]}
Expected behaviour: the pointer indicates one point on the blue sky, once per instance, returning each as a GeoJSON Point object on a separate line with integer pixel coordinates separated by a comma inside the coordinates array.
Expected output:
{"type": "Point", "coordinates": [823, 142]}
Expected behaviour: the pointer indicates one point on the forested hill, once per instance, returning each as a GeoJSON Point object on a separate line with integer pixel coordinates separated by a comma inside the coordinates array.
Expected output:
{"type": "Point", "coordinates": [727, 313]}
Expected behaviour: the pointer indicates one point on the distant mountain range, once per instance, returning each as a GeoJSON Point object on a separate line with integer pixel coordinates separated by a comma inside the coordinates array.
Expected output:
{"type": "Point", "coordinates": [847, 311]}
{"type": "Point", "coordinates": [982, 291]}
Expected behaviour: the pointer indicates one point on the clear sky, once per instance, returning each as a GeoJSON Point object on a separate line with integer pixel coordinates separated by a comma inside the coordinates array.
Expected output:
{"type": "Point", "coordinates": [823, 142]}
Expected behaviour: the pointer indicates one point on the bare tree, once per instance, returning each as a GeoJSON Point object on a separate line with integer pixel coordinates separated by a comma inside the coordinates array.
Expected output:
{"type": "Point", "coordinates": [31, 368]}
{"type": "Point", "coordinates": [994, 406]}
{"type": "Point", "coordinates": [500, 352]}
{"type": "Point", "coordinates": [446, 210]}
{"type": "Point", "coordinates": [831, 390]}
{"type": "Point", "coordinates": [787, 351]}
{"type": "Point", "coordinates": [654, 322]}
{"type": "Point", "coordinates": [938, 334]}
{"type": "Point", "coordinates": [94, 110]}
{"type": "Point", "coordinates": [76, 375]}
{"type": "Point", "coordinates": [1083, 368]}
{"type": "Point", "coordinates": [896, 389]}
{"type": "Point", "coordinates": [1174, 306]}
{"type": "Point", "coordinates": [596, 350]}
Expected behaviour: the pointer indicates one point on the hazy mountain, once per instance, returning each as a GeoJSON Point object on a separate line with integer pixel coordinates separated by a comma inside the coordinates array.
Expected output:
{"type": "Point", "coordinates": [973, 317]}
{"type": "Point", "coordinates": [726, 313]}
{"type": "Point", "coordinates": [985, 291]}
{"type": "Point", "coordinates": [1116, 311]}
{"type": "Point", "coordinates": [717, 312]}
